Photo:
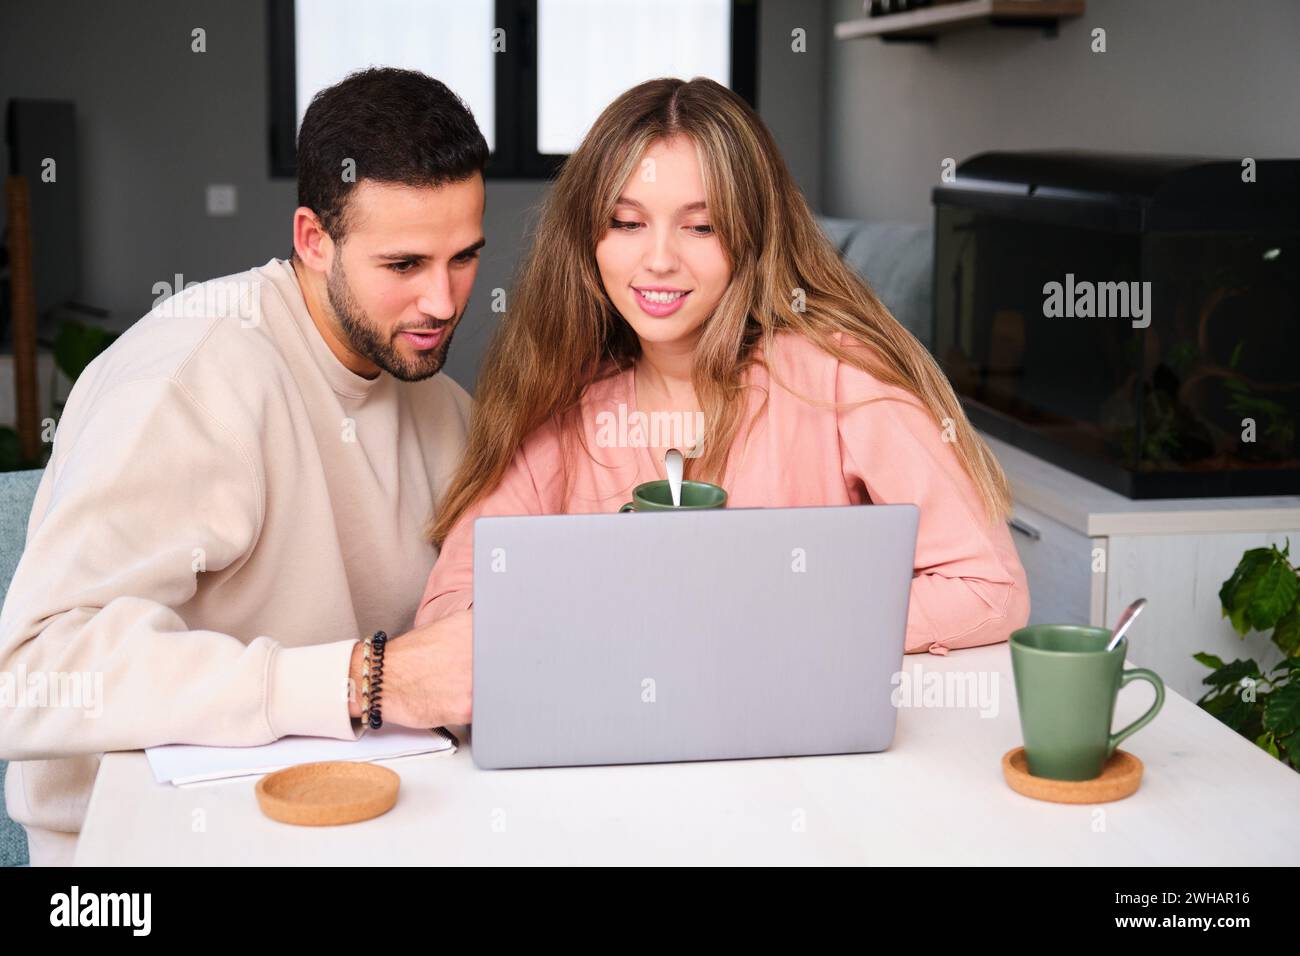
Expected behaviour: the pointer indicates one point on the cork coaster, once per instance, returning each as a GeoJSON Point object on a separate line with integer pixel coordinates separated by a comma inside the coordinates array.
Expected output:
{"type": "Point", "coordinates": [1120, 777]}
{"type": "Point", "coordinates": [329, 793]}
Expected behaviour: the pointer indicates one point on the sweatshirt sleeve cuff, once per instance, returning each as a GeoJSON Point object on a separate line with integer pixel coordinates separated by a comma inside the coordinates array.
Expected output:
{"type": "Point", "coordinates": [307, 692]}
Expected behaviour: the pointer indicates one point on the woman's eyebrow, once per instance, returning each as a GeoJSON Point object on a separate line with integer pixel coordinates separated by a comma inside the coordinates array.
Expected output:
{"type": "Point", "coordinates": [689, 207]}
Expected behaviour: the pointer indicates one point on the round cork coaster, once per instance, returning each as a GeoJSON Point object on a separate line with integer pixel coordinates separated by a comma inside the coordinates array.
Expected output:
{"type": "Point", "coordinates": [1120, 777]}
{"type": "Point", "coordinates": [329, 793]}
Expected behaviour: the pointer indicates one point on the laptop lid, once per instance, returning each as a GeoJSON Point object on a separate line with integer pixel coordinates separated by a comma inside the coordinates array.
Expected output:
{"type": "Point", "coordinates": [694, 635]}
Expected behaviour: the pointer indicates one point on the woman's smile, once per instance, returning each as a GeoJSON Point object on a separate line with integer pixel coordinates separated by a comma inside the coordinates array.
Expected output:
{"type": "Point", "coordinates": [658, 300]}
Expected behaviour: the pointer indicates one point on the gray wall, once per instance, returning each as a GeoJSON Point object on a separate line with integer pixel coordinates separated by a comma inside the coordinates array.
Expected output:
{"type": "Point", "coordinates": [157, 123]}
{"type": "Point", "coordinates": [1179, 76]}
{"type": "Point", "coordinates": [863, 125]}
{"type": "Point", "coordinates": [791, 85]}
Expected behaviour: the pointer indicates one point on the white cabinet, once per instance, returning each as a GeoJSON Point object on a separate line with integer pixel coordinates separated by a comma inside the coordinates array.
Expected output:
{"type": "Point", "coordinates": [1058, 564]}
{"type": "Point", "coordinates": [1088, 552]}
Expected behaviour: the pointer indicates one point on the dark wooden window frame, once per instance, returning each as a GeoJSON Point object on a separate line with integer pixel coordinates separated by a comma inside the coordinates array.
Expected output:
{"type": "Point", "coordinates": [515, 155]}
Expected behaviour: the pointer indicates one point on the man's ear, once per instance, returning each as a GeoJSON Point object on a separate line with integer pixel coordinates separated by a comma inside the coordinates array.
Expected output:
{"type": "Point", "coordinates": [310, 240]}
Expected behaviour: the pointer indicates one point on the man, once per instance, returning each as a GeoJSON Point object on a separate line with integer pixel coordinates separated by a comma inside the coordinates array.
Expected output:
{"type": "Point", "coordinates": [238, 486]}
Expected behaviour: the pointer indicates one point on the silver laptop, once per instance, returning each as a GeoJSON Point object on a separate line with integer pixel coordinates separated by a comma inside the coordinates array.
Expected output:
{"type": "Point", "coordinates": [691, 635]}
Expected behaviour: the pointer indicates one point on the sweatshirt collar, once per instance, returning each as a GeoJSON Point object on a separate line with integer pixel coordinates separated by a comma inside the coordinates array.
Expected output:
{"type": "Point", "coordinates": [341, 379]}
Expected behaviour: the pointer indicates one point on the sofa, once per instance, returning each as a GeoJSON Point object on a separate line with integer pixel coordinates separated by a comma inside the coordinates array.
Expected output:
{"type": "Point", "coordinates": [897, 259]}
{"type": "Point", "coordinates": [17, 490]}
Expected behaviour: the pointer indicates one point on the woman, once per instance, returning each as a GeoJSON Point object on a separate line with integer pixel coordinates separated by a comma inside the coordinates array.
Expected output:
{"type": "Point", "coordinates": [677, 269]}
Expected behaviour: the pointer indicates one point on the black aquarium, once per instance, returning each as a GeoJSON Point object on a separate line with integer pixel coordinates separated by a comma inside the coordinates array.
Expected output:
{"type": "Point", "coordinates": [1135, 319]}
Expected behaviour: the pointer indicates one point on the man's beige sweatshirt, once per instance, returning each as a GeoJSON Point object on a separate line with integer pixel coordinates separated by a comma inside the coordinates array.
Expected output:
{"type": "Point", "coordinates": [226, 510]}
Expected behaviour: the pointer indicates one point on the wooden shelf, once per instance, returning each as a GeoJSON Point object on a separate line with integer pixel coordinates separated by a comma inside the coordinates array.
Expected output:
{"type": "Point", "coordinates": [928, 22]}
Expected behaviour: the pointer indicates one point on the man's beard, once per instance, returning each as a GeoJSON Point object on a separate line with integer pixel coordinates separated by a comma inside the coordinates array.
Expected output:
{"type": "Point", "coordinates": [364, 338]}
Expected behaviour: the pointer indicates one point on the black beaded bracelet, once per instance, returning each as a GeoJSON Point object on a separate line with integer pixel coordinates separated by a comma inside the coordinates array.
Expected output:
{"type": "Point", "coordinates": [372, 679]}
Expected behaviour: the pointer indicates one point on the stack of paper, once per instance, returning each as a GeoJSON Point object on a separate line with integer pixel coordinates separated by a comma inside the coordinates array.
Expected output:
{"type": "Point", "coordinates": [182, 764]}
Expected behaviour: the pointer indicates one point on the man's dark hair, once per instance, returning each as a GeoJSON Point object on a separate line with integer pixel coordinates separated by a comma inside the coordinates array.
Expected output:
{"type": "Point", "coordinates": [398, 126]}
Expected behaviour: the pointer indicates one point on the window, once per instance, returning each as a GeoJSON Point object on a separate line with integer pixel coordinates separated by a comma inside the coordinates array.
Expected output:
{"type": "Point", "coordinates": [535, 73]}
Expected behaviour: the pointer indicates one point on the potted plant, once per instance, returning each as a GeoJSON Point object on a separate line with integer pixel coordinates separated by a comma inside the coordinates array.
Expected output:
{"type": "Point", "coordinates": [76, 346]}
{"type": "Point", "coordinates": [1263, 594]}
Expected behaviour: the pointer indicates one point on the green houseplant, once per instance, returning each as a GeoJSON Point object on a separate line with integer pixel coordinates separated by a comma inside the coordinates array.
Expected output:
{"type": "Point", "coordinates": [75, 346]}
{"type": "Point", "coordinates": [1263, 594]}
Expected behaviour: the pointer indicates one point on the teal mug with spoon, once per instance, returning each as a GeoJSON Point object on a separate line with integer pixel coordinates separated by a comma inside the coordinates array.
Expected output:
{"type": "Point", "coordinates": [1066, 686]}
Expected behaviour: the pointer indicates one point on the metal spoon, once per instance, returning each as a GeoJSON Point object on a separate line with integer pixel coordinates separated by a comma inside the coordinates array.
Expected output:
{"type": "Point", "coordinates": [673, 466]}
{"type": "Point", "coordinates": [1126, 620]}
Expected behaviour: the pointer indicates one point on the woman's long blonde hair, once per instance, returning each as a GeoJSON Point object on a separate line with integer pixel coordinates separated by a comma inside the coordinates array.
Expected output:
{"type": "Point", "coordinates": [562, 331]}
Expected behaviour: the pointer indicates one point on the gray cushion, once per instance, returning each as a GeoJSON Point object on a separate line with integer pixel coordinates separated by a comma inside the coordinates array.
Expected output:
{"type": "Point", "coordinates": [17, 489]}
{"type": "Point", "coordinates": [897, 260]}
{"type": "Point", "coordinates": [839, 231]}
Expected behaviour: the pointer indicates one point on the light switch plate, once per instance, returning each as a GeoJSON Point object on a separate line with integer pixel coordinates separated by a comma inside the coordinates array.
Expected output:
{"type": "Point", "coordinates": [221, 200]}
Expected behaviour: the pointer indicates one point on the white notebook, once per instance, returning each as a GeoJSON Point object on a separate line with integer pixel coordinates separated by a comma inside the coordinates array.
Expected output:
{"type": "Point", "coordinates": [183, 764]}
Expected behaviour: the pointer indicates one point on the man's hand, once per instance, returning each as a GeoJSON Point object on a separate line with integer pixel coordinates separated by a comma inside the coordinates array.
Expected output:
{"type": "Point", "coordinates": [428, 675]}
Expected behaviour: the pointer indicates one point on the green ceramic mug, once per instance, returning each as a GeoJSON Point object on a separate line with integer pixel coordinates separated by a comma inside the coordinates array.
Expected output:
{"type": "Point", "coordinates": [656, 496]}
{"type": "Point", "coordinates": [1066, 686]}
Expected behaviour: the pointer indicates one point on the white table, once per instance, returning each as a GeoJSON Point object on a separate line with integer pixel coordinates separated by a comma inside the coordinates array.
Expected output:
{"type": "Point", "coordinates": [1208, 797]}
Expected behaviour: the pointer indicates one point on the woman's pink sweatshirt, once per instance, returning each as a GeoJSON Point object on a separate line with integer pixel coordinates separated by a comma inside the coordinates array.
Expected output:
{"type": "Point", "coordinates": [968, 587]}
